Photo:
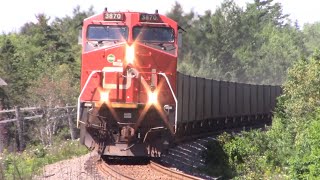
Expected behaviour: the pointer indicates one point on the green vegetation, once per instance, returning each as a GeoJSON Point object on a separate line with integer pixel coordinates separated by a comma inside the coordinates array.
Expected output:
{"type": "Point", "coordinates": [41, 64]}
{"type": "Point", "coordinates": [290, 148]}
{"type": "Point", "coordinates": [42, 53]}
{"type": "Point", "coordinates": [30, 162]}
{"type": "Point", "coordinates": [255, 44]}
{"type": "Point", "coordinates": [260, 44]}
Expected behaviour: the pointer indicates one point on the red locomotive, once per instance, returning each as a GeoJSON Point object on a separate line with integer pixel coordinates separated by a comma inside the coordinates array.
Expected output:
{"type": "Point", "coordinates": [134, 103]}
{"type": "Point", "coordinates": [127, 104]}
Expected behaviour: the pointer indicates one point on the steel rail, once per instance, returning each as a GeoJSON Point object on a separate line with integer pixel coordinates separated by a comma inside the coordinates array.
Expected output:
{"type": "Point", "coordinates": [111, 173]}
{"type": "Point", "coordinates": [172, 173]}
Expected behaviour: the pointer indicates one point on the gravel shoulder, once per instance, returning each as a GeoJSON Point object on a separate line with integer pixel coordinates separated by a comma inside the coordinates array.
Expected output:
{"type": "Point", "coordinates": [79, 168]}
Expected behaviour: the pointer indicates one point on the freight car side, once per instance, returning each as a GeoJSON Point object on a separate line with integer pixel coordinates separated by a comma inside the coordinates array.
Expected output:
{"type": "Point", "coordinates": [206, 105]}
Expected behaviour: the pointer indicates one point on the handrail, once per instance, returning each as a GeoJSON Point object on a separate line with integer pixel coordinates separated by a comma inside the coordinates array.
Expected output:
{"type": "Point", "coordinates": [84, 87]}
{"type": "Point", "coordinates": [175, 99]}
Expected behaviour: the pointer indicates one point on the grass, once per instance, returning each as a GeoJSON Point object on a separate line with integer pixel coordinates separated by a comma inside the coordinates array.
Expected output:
{"type": "Point", "coordinates": [30, 162]}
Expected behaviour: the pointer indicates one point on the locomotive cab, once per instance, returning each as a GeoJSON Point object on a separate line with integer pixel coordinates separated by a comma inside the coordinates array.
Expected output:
{"type": "Point", "coordinates": [128, 105]}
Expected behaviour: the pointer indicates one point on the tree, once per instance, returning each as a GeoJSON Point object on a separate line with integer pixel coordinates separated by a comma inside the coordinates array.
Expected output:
{"type": "Point", "coordinates": [185, 21]}
{"type": "Point", "coordinates": [311, 36]}
{"type": "Point", "coordinates": [12, 62]}
{"type": "Point", "coordinates": [44, 64]}
{"type": "Point", "coordinates": [290, 147]}
{"type": "Point", "coordinates": [268, 62]}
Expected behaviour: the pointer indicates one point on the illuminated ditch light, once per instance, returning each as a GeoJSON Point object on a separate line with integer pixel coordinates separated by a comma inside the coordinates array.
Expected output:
{"type": "Point", "coordinates": [104, 96]}
{"type": "Point", "coordinates": [153, 97]}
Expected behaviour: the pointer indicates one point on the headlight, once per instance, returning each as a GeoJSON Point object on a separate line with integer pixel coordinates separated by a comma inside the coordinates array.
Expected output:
{"type": "Point", "coordinates": [130, 54]}
{"type": "Point", "coordinates": [153, 97]}
{"type": "Point", "coordinates": [104, 96]}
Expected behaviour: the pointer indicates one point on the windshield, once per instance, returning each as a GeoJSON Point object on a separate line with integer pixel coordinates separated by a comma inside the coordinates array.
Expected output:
{"type": "Point", "coordinates": [153, 34]}
{"type": "Point", "coordinates": [104, 32]}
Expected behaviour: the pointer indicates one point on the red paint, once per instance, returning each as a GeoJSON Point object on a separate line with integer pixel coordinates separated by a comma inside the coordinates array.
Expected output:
{"type": "Point", "coordinates": [146, 59]}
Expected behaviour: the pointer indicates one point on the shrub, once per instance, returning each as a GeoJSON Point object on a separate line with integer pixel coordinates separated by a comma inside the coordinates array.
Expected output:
{"type": "Point", "coordinates": [28, 163]}
{"type": "Point", "coordinates": [290, 148]}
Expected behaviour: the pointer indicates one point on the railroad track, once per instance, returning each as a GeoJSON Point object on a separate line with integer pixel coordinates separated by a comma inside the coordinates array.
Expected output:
{"type": "Point", "coordinates": [186, 157]}
{"type": "Point", "coordinates": [151, 170]}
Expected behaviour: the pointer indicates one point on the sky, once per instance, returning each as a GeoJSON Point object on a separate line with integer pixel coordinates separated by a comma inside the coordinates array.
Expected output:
{"type": "Point", "coordinates": [15, 13]}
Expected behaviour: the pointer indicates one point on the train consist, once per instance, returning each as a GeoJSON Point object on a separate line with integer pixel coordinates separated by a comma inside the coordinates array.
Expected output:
{"type": "Point", "coordinates": [133, 102]}
{"type": "Point", "coordinates": [206, 105]}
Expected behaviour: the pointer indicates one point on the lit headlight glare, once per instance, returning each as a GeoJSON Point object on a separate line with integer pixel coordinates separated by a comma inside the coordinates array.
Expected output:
{"type": "Point", "coordinates": [130, 54]}
{"type": "Point", "coordinates": [104, 96]}
{"type": "Point", "coordinates": [153, 97]}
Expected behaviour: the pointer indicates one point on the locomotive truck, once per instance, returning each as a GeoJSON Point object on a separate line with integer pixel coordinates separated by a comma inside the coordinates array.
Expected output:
{"type": "Point", "coordinates": [133, 102]}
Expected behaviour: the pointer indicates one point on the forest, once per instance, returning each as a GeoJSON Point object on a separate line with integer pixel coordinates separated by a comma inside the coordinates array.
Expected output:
{"type": "Point", "coordinates": [255, 44]}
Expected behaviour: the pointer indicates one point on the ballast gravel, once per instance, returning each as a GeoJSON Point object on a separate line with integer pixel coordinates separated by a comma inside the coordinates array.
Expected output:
{"type": "Point", "coordinates": [78, 168]}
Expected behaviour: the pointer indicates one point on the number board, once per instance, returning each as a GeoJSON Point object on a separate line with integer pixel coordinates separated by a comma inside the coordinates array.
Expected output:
{"type": "Point", "coordinates": [113, 16]}
{"type": "Point", "coordinates": [149, 18]}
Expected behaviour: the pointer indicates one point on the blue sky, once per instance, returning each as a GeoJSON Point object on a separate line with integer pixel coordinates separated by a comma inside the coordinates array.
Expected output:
{"type": "Point", "coordinates": [14, 13]}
